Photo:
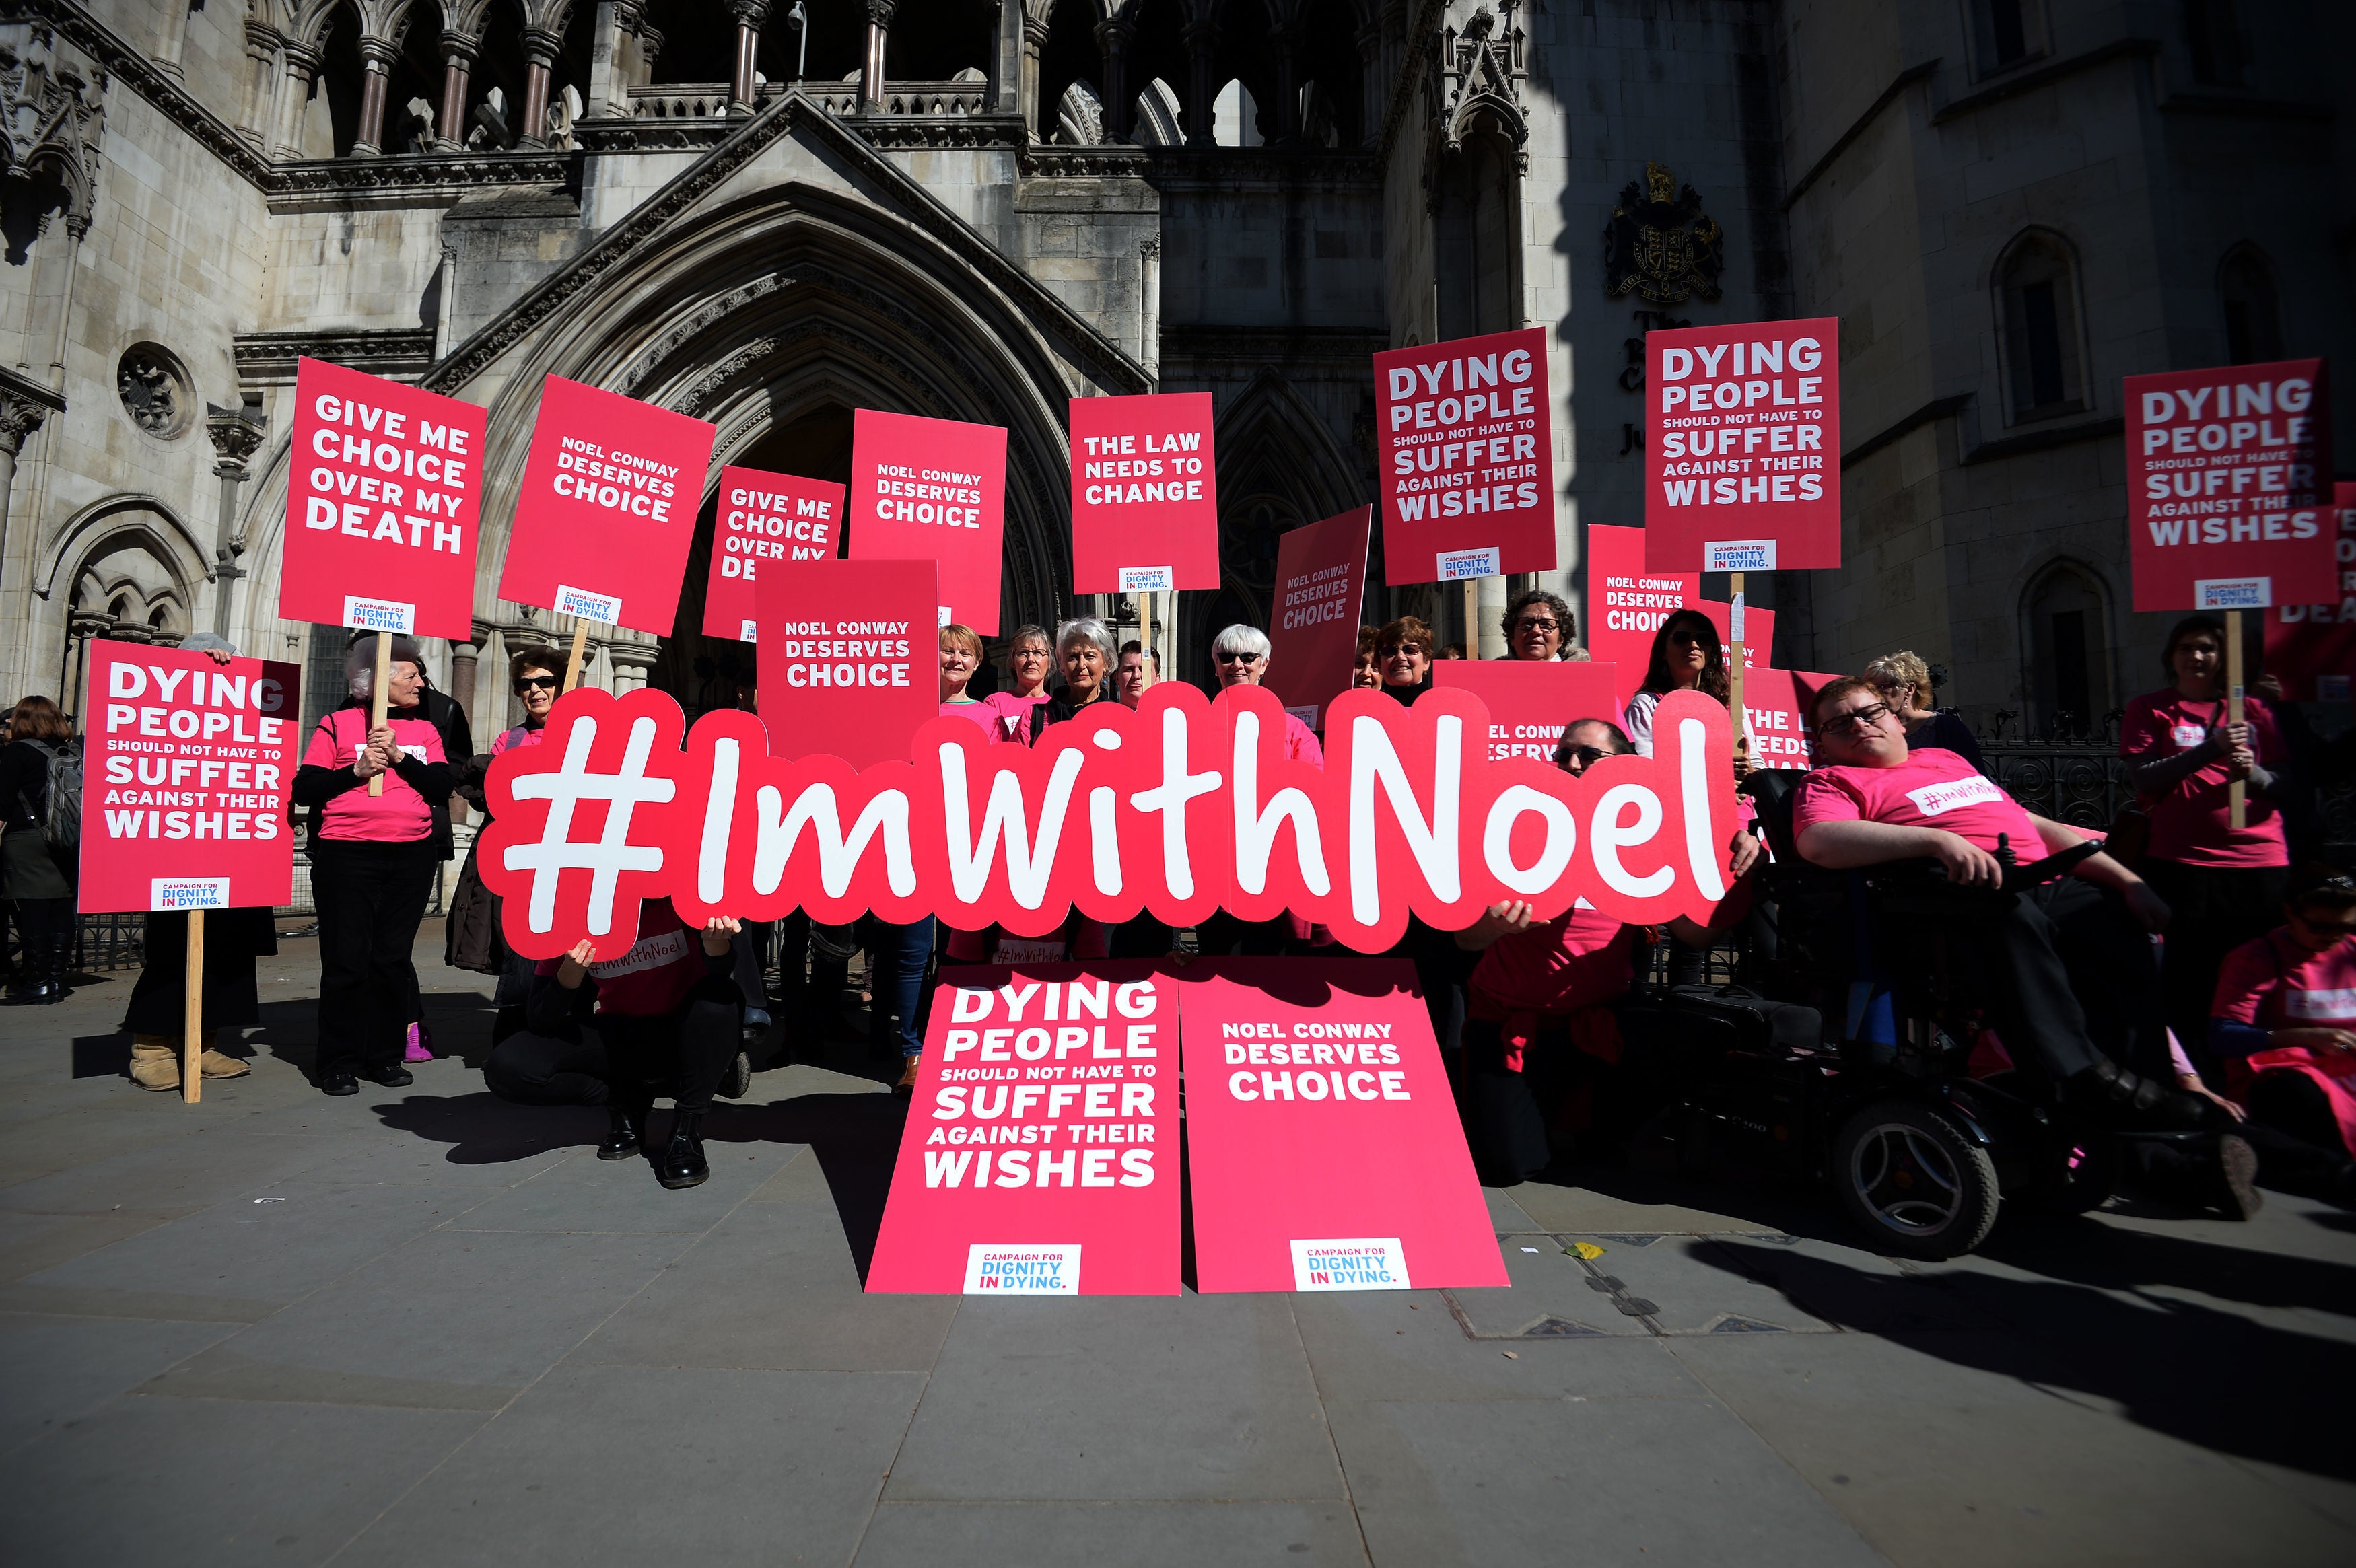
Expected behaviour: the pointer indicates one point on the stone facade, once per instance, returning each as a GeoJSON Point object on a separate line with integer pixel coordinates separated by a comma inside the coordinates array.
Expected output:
{"type": "Point", "coordinates": [980, 211]}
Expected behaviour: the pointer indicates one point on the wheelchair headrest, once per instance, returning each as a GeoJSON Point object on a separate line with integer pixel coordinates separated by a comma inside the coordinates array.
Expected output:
{"type": "Point", "coordinates": [1771, 791]}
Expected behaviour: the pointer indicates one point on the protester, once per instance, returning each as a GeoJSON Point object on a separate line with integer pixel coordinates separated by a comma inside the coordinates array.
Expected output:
{"type": "Point", "coordinates": [1904, 682]}
{"type": "Point", "coordinates": [472, 937]}
{"type": "Point", "coordinates": [37, 869]}
{"type": "Point", "coordinates": [1030, 659]}
{"type": "Point", "coordinates": [1239, 657]}
{"type": "Point", "coordinates": [960, 657]}
{"type": "Point", "coordinates": [662, 1017]}
{"type": "Point", "coordinates": [1130, 679]}
{"type": "Point", "coordinates": [2282, 1030]}
{"type": "Point", "coordinates": [1538, 1031]}
{"type": "Point", "coordinates": [1367, 675]}
{"type": "Point", "coordinates": [230, 998]}
{"type": "Point", "coordinates": [2226, 883]}
{"type": "Point", "coordinates": [1084, 649]}
{"type": "Point", "coordinates": [1687, 657]}
{"type": "Point", "coordinates": [372, 863]}
{"type": "Point", "coordinates": [1539, 627]}
{"type": "Point", "coordinates": [1403, 655]}
{"type": "Point", "coordinates": [2075, 987]}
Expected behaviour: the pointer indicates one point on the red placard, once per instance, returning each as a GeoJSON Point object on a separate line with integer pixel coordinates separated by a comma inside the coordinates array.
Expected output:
{"type": "Point", "coordinates": [2228, 481]}
{"type": "Point", "coordinates": [607, 508]}
{"type": "Point", "coordinates": [185, 775]}
{"type": "Point", "coordinates": [1145, 499]}
{"type": "Point", "coordinates": [2311, 649]}
{"type": "Point", "coordinates": [1322, 1145]}
{"type": "Point", "coordinates": [1777, 702]}
{"type": "Point", "coordinates": [765, 519]}
{"type": "Point", "coordinates": [1742, 448]}
{"type": "Point", "coordinates": [932, 490]}
{"type": "Point", "coordinates": [1530, 703]}
{"type": "Point", "coordinates": [382, 486]}
{"type": "Point", "coordinates": [1040, 1151]}
{"type": "Point", "coordinates": [1321, 577]}
{"type": "Point", "coordinates": [1467, 455]}
{"type": "Point", "coordinates": [848, 659]}
{"type": "Point", "coordinates": [1626, 604]}
{"type": "Point", "coordinates": [1758, 632]}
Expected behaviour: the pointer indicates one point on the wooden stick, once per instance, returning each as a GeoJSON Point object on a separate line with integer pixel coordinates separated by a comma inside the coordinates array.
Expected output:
{"type": "Point", "coordinates": [1734, 671]}
{"type": "Point", "coordinates": [2237, 792]}
{"type": "Point", "coordinates": [1472, 617]}
{"type": "Point", "coordinates": [1145, 641]}
{"type": "Point", "coordinates": [573, 664]}
{"type": "Point", "coordinates": [192, 1012]}
{"type": "Point", "coordinates": [379, 695]}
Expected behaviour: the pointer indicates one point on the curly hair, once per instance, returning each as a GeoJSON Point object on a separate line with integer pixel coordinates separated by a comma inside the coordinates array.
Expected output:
{"type": "Point", "coordinates": [1564, 620]}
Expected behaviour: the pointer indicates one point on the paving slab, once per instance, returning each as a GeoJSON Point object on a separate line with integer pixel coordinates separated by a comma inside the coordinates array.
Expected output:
{"type": "Point", "coordinates": [184, 1172]}
{"type": "Point", "coordinates": [56, 1369]}
{"type": "Point", "coordinates": [1411, 1345]}
{"type": "Point", "coordinates": [1136, 1535]}
{"type": "Point", "coordinates": [754, 1468]}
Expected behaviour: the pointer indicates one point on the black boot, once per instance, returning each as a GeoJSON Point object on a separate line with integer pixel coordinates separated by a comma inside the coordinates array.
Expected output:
{"type": "Point", "coordinates": [2123, 1099]}
{"type": "Point", "coordinates": [682, 1164]}
{"type": "Point", "coordinates": [622, 1133]}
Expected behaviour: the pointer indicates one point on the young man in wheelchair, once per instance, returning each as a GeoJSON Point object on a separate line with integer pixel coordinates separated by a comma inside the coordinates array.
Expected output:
{"type": "Point", "coordinates": [2074, 983]}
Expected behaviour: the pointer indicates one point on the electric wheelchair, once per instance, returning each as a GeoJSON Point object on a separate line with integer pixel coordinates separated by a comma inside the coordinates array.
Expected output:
{"type": "Point", "coordinates": [1853, 1051]}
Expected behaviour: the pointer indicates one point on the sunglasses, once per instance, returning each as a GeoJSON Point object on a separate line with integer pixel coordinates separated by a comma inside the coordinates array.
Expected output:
{"type": "Point", "coordinates": [1391, 650]}
{"type": "Point", "coordinates": [1857, 718]}
{"type": "Point", "coordinates": [539, 683]}
{"type": "Point", "coordinates": [1531, 623]}
{"type": "Point", "coordinates": [1240, 658]}
{"type": "Point", "coordinates": [1586, 756]}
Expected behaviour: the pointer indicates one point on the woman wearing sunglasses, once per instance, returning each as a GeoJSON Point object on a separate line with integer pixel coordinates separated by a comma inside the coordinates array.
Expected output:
{"type": "Point", "coordinates": [1403, 652]}
{"type": "Point", "coordinates": [1687, 657]}
{"type": "Point", "coordinates": [471, 937]}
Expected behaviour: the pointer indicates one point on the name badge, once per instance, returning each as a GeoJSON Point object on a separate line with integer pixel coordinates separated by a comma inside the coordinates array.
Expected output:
{"type": "Point", "coordinates": [2188, 736]}
{"type": "Point", "coordinates": [2321, 1006]}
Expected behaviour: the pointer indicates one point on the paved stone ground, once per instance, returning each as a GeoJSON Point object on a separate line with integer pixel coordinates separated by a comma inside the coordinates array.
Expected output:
{"type": "Point", "coordinates": [420, 1327]}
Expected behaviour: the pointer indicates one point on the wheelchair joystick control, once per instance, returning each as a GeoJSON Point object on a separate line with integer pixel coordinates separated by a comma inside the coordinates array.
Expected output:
{"type": "Point", "coordinates": [2004, 855]}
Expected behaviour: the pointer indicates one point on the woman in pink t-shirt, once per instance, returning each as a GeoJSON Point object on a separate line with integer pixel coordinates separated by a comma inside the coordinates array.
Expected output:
{"type": "Point", "coordinates": [1030, 657]}
{"type": "Point", "coordinates": [2223, 883]}
{"type": "Point", "coordinates": [1240, 656]}
{"type": "Point", "coordinates": [2283, 1028]}
{"type": "Point", "coordinates": [372, 860]}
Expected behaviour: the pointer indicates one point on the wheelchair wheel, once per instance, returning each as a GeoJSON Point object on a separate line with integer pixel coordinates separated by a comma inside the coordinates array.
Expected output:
{"type": "Point", "coordinates": [1910, 1177]}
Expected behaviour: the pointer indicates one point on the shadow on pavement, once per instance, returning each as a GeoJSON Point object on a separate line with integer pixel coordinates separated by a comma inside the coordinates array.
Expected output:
{"type": "Point", "coordinates": [856, 1137]}
{"type": "Point", "coordinates": [483, 1129]}
{"type": "Point", "coordinates": [2195, 1372]}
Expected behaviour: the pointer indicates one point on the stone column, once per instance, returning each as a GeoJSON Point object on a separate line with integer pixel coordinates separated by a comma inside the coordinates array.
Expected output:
{"type": "Point", "coordinates": [1113, 38]}
{"type": "Point", "coordinates": [445, 304]}
{"type": "Point", "coordinates": [458, 54]}
{"type": "Point", "coordinates": [20, 418]}
{"type": "Point", "coordinates": [172, 38]}
{"type": "Point", "coordinates": [540, 49]}
{"type": "Point", "coordinates": [631, 663]}
{"type": "Point", "coordinates": [1149, 306]}
{"type": "Point", "coordinates": [749, 15]}
{"type": "Point", "coordinates": [235, 436]}
{"type": "Point", "coordinates": [870, 70]}
{"type": "Point", "coordinates": [1287, 82]}
{"type": "Point", "coordinates": [1202, 39]}
{"type": "Point", "coordinates": [1373, 84]}
{"type": "Point", "coordinates": [77, 230]}
{"type": "Point", "coordinates": [261, 45]}
{"type": "Point", "coordinates": [293, 93]}
{"type": "Point", "coordinates": [376, 67]}
{"type": "Point", "coordinates": [462, 677]}
{"type": "Point", "coordinates": [1034, 42]}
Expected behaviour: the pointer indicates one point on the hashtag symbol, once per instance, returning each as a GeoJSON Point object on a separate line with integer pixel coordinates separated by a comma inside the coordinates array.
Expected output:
{"type": "Point", "coordinates": [606, 857]}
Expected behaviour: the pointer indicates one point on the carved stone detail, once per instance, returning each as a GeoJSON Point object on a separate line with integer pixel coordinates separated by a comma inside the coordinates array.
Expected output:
{"type": "Point", "coordinates": [52, 117]}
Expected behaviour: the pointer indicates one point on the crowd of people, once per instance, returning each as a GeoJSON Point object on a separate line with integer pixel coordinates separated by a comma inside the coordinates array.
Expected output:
{"type": "Point", "coordinates": [2196, 973]}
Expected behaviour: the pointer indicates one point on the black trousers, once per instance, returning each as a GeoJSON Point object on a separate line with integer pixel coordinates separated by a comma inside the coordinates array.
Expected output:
{"type": "Point", "coordinates": [2213, 910]}
{"type": "Point", "coordinates": [46, 927]}
{"type": "Point", "coordinates": [681, 1054]}
{"type": "Point", "coordinates": [370, 898]}
{"type": "Point", "coordinates": [2072, 978]}
{"type": "Point", "coordinates": [549, 1070]}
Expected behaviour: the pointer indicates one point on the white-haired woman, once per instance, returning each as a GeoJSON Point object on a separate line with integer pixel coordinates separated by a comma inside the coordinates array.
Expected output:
{"type": "Point", "coordinates": [1086, 653]}
{"type": "Point", "coordinates": [373, 861]}
{"type": "Point", "coordinates": [1904, 682]}
{"type": "Point", "coordinates": [1239, 657]}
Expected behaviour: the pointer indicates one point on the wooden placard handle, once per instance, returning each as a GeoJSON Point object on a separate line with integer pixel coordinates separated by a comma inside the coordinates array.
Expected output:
{"type": "Point", "coordinates": [572, 664]}
{"type": "Point", "coordinates": [2237, 792]}
{"type": "Point", "coordinates": [1734, 668]}
{"type": "Point", "coordinates": [192, 1010]}
{"type": "Point", "coordinates": [1144, 642]}
{"type": "Point", "coordinates": [378, 697]}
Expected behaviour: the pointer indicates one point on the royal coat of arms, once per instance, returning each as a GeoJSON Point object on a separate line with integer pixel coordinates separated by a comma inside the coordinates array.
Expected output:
{"type": "Point", "coordinates": [1660, 245]}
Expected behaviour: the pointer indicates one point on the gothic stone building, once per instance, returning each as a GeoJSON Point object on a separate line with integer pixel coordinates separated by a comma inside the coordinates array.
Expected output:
{"type": "Point", "coordinates": [769, 214]}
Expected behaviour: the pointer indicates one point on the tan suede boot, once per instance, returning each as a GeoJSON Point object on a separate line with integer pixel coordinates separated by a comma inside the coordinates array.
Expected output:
{"type": "Point", "coordinates": [214, 1064]}
{"type": "Point", "coordinates": [154, 1061]}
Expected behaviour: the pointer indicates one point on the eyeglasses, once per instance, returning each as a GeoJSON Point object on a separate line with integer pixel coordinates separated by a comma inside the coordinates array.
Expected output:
{"type": "Point", "coordinates": [1392, 650]}
{"type": "Point", "coordinates": [1532, 624]}
{"type": "Point", "coordinates": [1857, 718]}
{"type": "Point", "coordinates": [538, 683]}
{"type": "Point", "coordinates": [1226, 657]}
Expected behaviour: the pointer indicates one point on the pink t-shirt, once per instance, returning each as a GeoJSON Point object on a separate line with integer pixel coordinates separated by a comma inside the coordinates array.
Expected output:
{"type": "Point", "coordinates": [2192, 823]}
{"type": "Point", "coordinates": [399, 816]}
{"type": "Point", "coordinates": [2274, 983]}
{"type": "Point", "coordinates": [1020, 708]}
{"type": "Point", "coordinates": [655, 974]}
{"type": "Point", "coordinates": [1000, 724]}
{"type": "Point", "coordinates": [1301, 743]}
{"type": "Point", "coordinates": [1930, 788]}
{"type": "Point", "coordinates": [1577, 959]}
{"type": "Point", "coordinates": [522, 735]}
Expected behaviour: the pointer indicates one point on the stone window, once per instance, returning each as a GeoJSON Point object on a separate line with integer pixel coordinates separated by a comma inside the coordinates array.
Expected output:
{"type": "Point", "coordinates": [2066, 637]}
{"type": "Point", "coordinates": [2252, 307]}
{"type": "Point", "coordinates": [155, 390]}
{"type": "Point", "coordinates": [2005, 33]}
{"type": "Point", "coordinates": [2037, 308]}
{"type": "Point", "coordinates": [2220, 47]}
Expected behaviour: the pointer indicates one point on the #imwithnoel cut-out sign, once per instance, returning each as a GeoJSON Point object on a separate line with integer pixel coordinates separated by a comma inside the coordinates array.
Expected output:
{"type": "Point", "coordinates": [1180, 807]}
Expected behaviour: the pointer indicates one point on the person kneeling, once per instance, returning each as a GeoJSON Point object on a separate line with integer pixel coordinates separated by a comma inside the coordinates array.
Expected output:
{"type": "Point", "coordinates": [2283, 1026]}
{"type": "Point", "coordinates": [663, 1018]}
{"type": "Point", "coordinates": [2077, 988]}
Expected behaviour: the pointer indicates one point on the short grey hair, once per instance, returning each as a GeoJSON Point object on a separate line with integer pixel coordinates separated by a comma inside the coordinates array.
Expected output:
{"type": "Point", "coordinates": [1241, 639]}
{"type": "Point", "coordinates": [359, 662]}
{"type": "Point", "coordinates": [1086, 629]}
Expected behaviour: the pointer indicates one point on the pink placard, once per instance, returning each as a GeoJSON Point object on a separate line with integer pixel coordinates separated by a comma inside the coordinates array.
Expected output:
{"type": "Point", "coordinates": [1758, 632]}
{"type": "Point", "coordinates": [607, 508]}
{"type": "Point", "coordinates": [1530, 704]}
{"type": "Point", "coordinates": [2228, 476]}
{"type": "Point", "coordinates": [186, 772]}
{"type": "Point", "coordinates": [1145, 498]}
{"type": "Point", "coordinates": [1626, 603]}
{"type": "Point", "coordinates": [1321, 586]}
{"type": "Point", "coordinates": [1466, 452]}
{"type": "Point", "coordinates": [1322, 1144]}
{"type": "Point", "coordinates": [1777, 701]}
{"type": "Point", "coordinates": [925, 489]}
{"type": "Point", "coordinates": [848, 658]}
{"type": "Point", "coordinates": [2311, 647]}
{"type": "Point", "coordinates": [382, 486]}
{"type": "Point", "coordinates": [1040, 1156]}
{"type": "Point", "coordinates": [1742, 448]}
{"type": "Point", "coordinates": [764, 521]}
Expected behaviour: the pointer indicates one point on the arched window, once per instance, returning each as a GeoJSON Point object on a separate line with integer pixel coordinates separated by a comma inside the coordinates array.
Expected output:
{"type": "Point", "coordinates": [2252, 307]}
{"type": "Point", "coordinates": [2037, 310]}
{"type": "Point", "coordinates": [2221, 48]}
{"type": "Point", "coordinates": [2065, 649]}
{"type": "Point", "coordinates": [2007, 32]}
{"type": "Point", "coordinates": [1479, 238]}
